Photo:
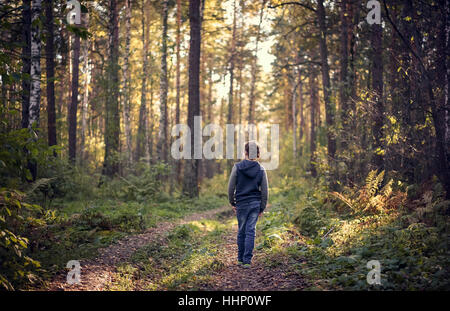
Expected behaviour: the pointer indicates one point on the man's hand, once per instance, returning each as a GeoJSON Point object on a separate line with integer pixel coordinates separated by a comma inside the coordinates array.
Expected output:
{"type": "Point", "coordinates": [260, 214]}
{"type": "Point", "coordinates": [234, 208]}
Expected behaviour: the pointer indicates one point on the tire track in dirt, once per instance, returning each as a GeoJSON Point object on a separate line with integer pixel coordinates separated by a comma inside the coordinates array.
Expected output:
{"type": "Point", "coordinates": [258, 277]}
{"type": "Point", "coordinates": [96, 273]}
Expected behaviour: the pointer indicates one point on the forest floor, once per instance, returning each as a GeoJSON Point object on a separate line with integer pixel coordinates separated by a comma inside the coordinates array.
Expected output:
{"type": "Point", "coordinates": [197, 252]}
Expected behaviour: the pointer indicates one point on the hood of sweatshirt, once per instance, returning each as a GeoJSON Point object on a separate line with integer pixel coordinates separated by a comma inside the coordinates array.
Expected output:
{"type": "Point", "coordinates": [248, 168]}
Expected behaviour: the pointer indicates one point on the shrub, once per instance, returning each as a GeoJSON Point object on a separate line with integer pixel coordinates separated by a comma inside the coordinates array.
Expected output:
{"type": "Point", "coordinates": [309, 221]}
{"type": "Point", "coordinates": [16, 267]}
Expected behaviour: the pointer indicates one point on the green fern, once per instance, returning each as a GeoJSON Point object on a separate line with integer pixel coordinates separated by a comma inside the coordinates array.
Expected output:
{"type": "Point", "coordinates": [373, 182]}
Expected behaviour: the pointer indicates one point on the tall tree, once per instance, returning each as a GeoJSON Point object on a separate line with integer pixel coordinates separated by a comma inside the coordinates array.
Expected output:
{"type": "Point", "coordinates": [190, 186]}
{"type": "Point", "coordinates": [231, 67]}
{"type": "Point", "coordinates": [163, 121]}
{"type": "Point", "coordinates": [313, 102]}
{"type": "Point", "coordinates": [178, 78]}
{"type": "Point", "coordinates": [112, 119]}
{"type": "Point", "coordinates": [26, 62]}
{"type": "Point", "coordinates": [84, 106]}
{"type": "Point", "coordinates": [377, 90]}
{"type": "Point", "coordinates": [326, 84]}
{"type": "Point", "coordinates": [50, 71]}
{"type": "Point", "coordinates": [35, 71]}
{"type": "Point", "coordinates": [127, 82]}
{"type": "Point", "coordinates": [343, 79]}
{"type": "Point", "coordinates": [142, 128]}
{"type": "Point", "coordinates": [254, 68]}
{"type": "Point", "coordinates": [73, 109]}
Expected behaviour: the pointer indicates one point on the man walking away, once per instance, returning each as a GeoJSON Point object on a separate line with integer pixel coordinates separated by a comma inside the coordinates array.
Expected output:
{"type": "Point", "coordinates": [248, 193]}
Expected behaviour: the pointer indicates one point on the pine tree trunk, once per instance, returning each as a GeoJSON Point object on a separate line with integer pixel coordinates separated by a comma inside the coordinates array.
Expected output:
{"type": "Point", "coordinates": [329, 107]}
{"type": "Point", "coordinates": [301, 108]}
{"type": "Point", "coordinates": [313, 105]}
{"type": "Point", "coordinates": [190, 185]}
{"type": "Point", "coordinates": [377, 90]}
{"type": "Point", "coordinates": [163, 121]}
{"type": "Point", "coordinates": [50, 71]}
{"type": "Point", "coordinates": [26, 62]}
{"type": "Point", "coordinates": [343, 77]}
{"type": "Point", "coordinates": [127, 82]}
{"type": "Point", "coordinates": [251, 108]}
{"type": "Point", "coordinates": [142, 129]}
{"type": "Point", "coordinates": [231, 68]}
{"type": "Point", "coordinates": [178, 81]}
{"type": "Point", "coordinates": [74, 100]}
{"type": "Point", "coordinates": [84, 106]}
{"type": "Point", "coordinates": [112, 119]}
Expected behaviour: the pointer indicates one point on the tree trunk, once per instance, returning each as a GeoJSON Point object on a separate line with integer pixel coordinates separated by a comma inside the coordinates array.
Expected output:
{"type": "Point", "coordinates": [178, 81]}
{"type": "Point", "coordinates": [377, 90]}
{"type": "Point", "coordinates": [231, 68]}
{"type": "Point", "coordinates": [127, 82]}
{"type": "Point", "coordinates": [74, 100]}
{"type": "Point", "coordinates": [26, 62]}
{"type": "Point", "coordinates": [50, 70]}
{"type": "Point", "coordinates": [232, 59]}
{"type": "Point", "coordinates": [301, 107]}
{"type": "Point", "coordinates": [112, 119]}
{"type": "Point", "coordinates": [163, 121]}
{"type": "Point", "coordinates": [329, 107]}
{"type": "Point", "coordinates": [84, 106]}
{"type": "Point", "coordinates": [142, 128]}
{"type": "Point", "coordinates": [294, 117]}
{"type": "Point", "coordinates": [35, 72]}
{"type": "Point", "coordinates": [343, 77]}
{"type": "Point", "coordinates": [313, 104]}
{"type": "Point", "coordinates": [251, 108]}
{"type": "Point", "coordinates": [190, 186]}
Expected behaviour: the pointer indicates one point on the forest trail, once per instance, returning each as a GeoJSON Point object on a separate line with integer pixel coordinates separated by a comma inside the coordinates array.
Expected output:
{"type": "Point", "coordinates": [99, 274]}
{"type": "Point", "coordinates": [258, 277]}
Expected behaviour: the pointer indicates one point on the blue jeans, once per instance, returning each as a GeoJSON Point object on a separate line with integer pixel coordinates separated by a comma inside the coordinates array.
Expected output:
{"type": "Point", "coordinates": [247, 215]}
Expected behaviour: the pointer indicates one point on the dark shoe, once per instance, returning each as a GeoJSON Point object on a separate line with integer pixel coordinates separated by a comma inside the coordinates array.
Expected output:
{"type": "Point", "coordinates": [240, 263]}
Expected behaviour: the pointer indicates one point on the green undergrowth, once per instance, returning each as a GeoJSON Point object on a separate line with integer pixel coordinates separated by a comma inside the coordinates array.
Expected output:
{"type": "Point", "coordinates": [330, 239]}
{"type": "Point", "coordinates": [183, 260]}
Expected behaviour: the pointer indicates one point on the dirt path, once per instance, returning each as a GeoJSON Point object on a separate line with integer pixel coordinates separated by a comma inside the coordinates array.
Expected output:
{"type": "Point", "coordinates": [257, 278]}
{"type": "Point", "coordinates": [96, 273]}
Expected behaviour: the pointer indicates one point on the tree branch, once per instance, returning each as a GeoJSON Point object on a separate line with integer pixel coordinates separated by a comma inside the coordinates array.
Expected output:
{"type": "Point", "coordinates": [292, 2]}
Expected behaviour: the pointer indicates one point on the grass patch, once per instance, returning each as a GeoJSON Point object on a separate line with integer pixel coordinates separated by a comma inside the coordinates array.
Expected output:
{"type": "Point", "coordinates": [184, 260]}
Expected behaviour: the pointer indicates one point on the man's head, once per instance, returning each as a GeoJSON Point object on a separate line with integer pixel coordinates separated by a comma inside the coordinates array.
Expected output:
{"type": "Point", "coordinates": [252, 150]}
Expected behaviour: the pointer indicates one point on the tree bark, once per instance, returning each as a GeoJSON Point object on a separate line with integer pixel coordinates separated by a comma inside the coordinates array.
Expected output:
{"type": "Point", "coordinates": [313, 104]}
{"type": "Point", "coordinates": [251, 108]}
{"type": "Point", "coordinates": [26, 62]}
{"type": "Point", "coordinates": [74, 100]}
{"type": "Point", "coordinates": [329, 107]}
{"type": "Point", "coordinates": [142, 128]}
{"type": "Point", "coordinates": [178, 80]}
{"type": "Point", "coordinates": [343, 77]}
{"type": "Point", "coordinates": [190, 186]}
{"type": "Point", "coordinates": [112, 119]}
{"type": "Point", "coordinates": [84, 106]}
{"type": "Point", "coordinates": [377, 90]}
{"type": "Point", "coordinates": [127, 82]}
{"type": "Point", "coordinates": [163, 121]}
{"type": "Point", "coordinates": [35, 72]}
{"type": "Point", "coordinates": [50, 71]}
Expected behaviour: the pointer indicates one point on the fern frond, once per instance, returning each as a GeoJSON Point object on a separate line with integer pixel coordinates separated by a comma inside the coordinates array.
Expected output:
{"type": "Point", "coordinates": [339, 196]}
{"type": "Point", "coordinates": [37, 184]}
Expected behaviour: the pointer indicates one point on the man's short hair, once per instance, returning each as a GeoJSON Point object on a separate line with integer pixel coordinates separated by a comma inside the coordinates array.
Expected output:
{"type": "Point", "coordinates": [252, 149]}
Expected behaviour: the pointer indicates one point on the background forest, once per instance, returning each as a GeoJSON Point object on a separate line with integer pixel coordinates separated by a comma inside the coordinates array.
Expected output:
{"type": "Point", "coordinates": [87, 109]}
